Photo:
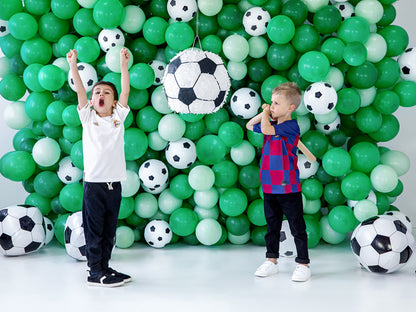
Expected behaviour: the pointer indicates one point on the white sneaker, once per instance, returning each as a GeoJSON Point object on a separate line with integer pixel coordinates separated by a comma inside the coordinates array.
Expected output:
{"type": "Point", "coordinates": [301, 274]}
{"type": "Point", "coordinates": [266, 269]}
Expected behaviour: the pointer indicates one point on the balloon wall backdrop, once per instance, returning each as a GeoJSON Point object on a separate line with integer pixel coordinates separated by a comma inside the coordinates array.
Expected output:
{"type": "Point", "coordinates": [200, 172]}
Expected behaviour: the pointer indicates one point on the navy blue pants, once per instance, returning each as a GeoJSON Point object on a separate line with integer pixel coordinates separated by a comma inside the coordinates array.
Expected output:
{"type": "Point", "coordinates": [275, 205]}
{"type": "Point", "coordinates": [100, 209]}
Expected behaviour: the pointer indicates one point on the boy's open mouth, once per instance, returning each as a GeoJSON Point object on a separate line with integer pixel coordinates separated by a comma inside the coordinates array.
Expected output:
{"type": "Point", "coordinates": [101, 102]}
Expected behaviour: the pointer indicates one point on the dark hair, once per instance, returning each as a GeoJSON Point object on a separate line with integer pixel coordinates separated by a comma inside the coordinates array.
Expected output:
{"type": "Point", "coordinates": [107, 83]}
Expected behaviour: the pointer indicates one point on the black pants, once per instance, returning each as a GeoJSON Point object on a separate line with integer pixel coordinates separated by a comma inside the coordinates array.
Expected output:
{"type": "Point", "coordinates": [100, 209]}
{"type": "Point", "coordinates": [275, 205]}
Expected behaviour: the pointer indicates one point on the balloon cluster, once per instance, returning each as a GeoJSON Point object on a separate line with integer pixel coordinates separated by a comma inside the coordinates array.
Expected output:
{"type": "Point", "coordinates": [351, 46]}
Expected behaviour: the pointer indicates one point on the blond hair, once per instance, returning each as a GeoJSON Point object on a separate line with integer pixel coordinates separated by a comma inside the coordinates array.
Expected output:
{"type": "Point", "coordinates": [291, 91]}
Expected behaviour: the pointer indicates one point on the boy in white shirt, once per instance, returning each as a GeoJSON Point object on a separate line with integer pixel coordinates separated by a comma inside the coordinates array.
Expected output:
{"type": "Point", "coordinates": [104, 167]}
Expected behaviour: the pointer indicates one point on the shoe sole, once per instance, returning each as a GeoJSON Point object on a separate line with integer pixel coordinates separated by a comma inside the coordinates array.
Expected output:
{"type": "Point", "coordinates": [106, 285]}
{"type": "Point", "coordinates": [265, 275]}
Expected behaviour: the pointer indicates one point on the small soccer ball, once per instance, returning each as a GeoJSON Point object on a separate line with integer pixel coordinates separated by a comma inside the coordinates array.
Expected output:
{"type": "Point", "coordinates": [88, 76]}
{"type": "Point", "coordinates": [196, 82]}
{"type": "Point", "coordinates": [328, 128]}
{"type": "Point", "coordinates": [67, 172]}
{"type": "Point", "coordinates": [4, 28]}
{"type": "Point", "coordinates": [153, 174]}
{"type": "Point", "coordinates": [157, 233]}
{"type": "Point", "coordinates": [181, 154]}
{"type": "Point", "coordinates": [371, 196]}
{"type": "Point", "coordinates": [245, 103]}
{"type": "Point", "coordinates": [346, 9]}
{"type": "Point", "coordinates": [182, 10]}
{"type": "Point", "coordinates": [306, 167]}
{"type": "Point", "coordinates": [287, 246]}
{"type": "Point", "coordinates": [320, 98]}
{"type": "Point", "coordinates": [108, 38]}
{"type": "Point", "coordinates": [21, 230]}
{"type": "Point", "coordinates": [407, 63]}
{"type": "Point", "coordinates": [74, 237]}
{"type": "Point", "coordinates": [156, 190]}
{"type": "Point", "coordinates": [255, 21]}
{"type": "Point", "coordinates": [159, 69]}
{"type": "Point", "coordinates": [49, 230]}
{"type": "Point", "coordinates": [381, 245]}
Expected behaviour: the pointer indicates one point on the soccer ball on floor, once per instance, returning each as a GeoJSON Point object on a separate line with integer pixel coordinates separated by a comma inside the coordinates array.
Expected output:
{"type": "Point", "coordinates": [181, 154]}
{"type": "Point", "coordinates": [21, 230]}
{"type": "Point", "coordinates": [320, 98]}
{"type": "Point", "coordinates": [287, 246]}
{"type": "Point", "coordinates": [381, 244]}
{"type": "Point", "coordinates": [157, 233]}
{"type": "Point", "coordinates": [67, 172]}
{"type": "Point", "coordinates": [74, 237]}
{"type": "Point", "coordinates": [88, 76]}
{"type": "Point", "coordinates": [196, 82]}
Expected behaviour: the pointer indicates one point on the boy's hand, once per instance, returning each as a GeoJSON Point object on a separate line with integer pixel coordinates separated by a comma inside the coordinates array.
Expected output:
{"type": "Point", "coordinates": [71, 57]}
{"type": "Point", "coordinates": [266, 108]}
{"type": "Point", "coordinates": [124, 56]}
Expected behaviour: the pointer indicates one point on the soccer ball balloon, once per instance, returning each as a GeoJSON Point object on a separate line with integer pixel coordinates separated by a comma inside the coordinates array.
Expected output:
{"type": "Point", "coordinates": [182, 10]}
{"type": "Point", "coordinates": [68, 172]}
{"type": "Point", "coordinates": [181, 154]}
{"type": "Point", "coordinates": [49, 230]}
{"type": "Point", "coordinates": [255, 21]}
{"type": "Point", "coordinates": [320, 98]}
{"type": "Point", "coordinates": [88, 77]}
{"type": "Point", "coordinates": [306, 167]}
{"type": "Point", "coordinates": [21, 230]}
{"type": "Point", "coordinates": [346, 9]}
{"type": "Point", "coordinates": [287, 246]}
{"type": "Point", "coordinates": [407, 63]}
{"type": "Point", "coordinates": [74, 236]}
{"type": "Point", "coordinates": [108, 38]}
{"type": "Point", "coordinates": [245, 103]}
{"type": "Point", "coordinates": [381, 244]}
{"type": "Point", "coordinates": [4, 29]}
{"type": "Point", "coordinates": [153, 174]}
{"type": "Point", "coordinates": [328, 128]}
{"type": "Point", "coordinates": [196, 82]}
{"type": "Point", "coordinates": [159, 69]}
{"type": "Point", "coordinates": [157, 233]}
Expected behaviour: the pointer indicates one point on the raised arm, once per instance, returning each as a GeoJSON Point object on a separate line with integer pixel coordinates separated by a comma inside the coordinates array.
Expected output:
{"type": "Point", "coordinates": [125, 79]}
{"type": "Point", "coordinates": [266, 126]}
{"type": "Point", "coordinates": [255, 120]}
{"type": "Point", "coordinates": [71, 57]}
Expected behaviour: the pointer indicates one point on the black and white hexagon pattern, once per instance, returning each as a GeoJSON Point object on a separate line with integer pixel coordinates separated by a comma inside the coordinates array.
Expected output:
{"type": "Point", "coordinates": [108, 38]}
{"type": "Point", "coordinates": [255, 21]}
{"type": "Point", "coordinates": [88, 76]}
{"type": "Point", "coordinates": [407, 63]}
{"type": "Point", "coordinates": [181, 154]}
{"type": "Point", "coordinates": [67, 172]}
{"type": "Point", "coordinates": [182, 10]}
{"type": "Point", "coordinates": [245, 103]}
{"type": "Point", "coordinates": [157, 233]}
{"type": "Point", "coordinates": [153, 175]}
{"type": "Point", "coordinates": [320, 98]}
{"type": "Point", "coordinates": [74, 237]}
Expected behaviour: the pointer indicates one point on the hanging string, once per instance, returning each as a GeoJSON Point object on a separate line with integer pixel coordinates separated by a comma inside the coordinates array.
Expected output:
{"type": "Point", "coordinates": [197, 30]}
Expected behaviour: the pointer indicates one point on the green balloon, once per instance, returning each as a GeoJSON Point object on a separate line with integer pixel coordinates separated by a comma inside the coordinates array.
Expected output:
{"type": "Point", "coordinates": [280, 29]}
{"type": "Point", "coordinates": [183, 221]}
{"type": "Point", "coordinates": [249, 177]}
{"type": "Point", "coordinates": [17, 165]}
{"type": "Point", "coordinates": [313, 66]}
{"type": "Point", "coordinates": [233, 202]}
{"type": "Point", "coordinates": [47, 184]}
{"type": "Point", "coordinates": [363, 76]}
{"type": "Point", "coordinates": [281, 56]}
{"type": "Point", "coordinates": [125, 237]}
{"type": "Point", "coordinates": [23, 26]}
{"type": "Point", "coordinates": [312, 189]}
{"type": "Point", "coordinates": [51, 77]}
{"type": "Point", "coordinates": [255, 212]}
{"type": "Point", "coordinates": [36, 50]}
{"type": "Point", "coordinates": [141, 76]}
{"type": "Point", "coordinates": [341, 219]}
{"type": "Point", "coordinates": [214, 121]}
{"type": "Point", "coordinates": [10, 46]}
{"type": "Point", "coordinates": [355, 53]}
{"type": "Point", "coordinates": [30, 77]}
{"type": "Point", "coordinates": [313, 230]}
{"type": "Point", "coordinates": [108, 13]}
{"type": "Point", "coordinates": [356, 185]}
{"type": "Point", "coordinates": [12, 87]}
{"type": "Point", "coordinates": [306, 38]}
{"type": "Point", "coordinates": [37, 7]}
{"type": "Point", "coordinates": [208, 232]}
{"type": "Point", "coordinates": [368, 119]}
{"type": "Point", "coordinates": [88, 49]}
{"type": "Point", "coordinates": [180, 187]}
{"type": "Point", "coordinates": [316, 142]}
{"type": "Point", "coordinates": [238, 225]}
{"type": "Point", "coordinates": [126, 207]}
{"type": "Point", "coordinates": [256, 139]}
{"type": "Point", "coordinates": [54, 112]}
{"type": "Point", "coordinates": [212, 43]}
{"type": "Point", "coordinates": [230, 17]}
{"type": "Point", "coordinates": [364, 157]}
{"type": "Point", "coordinates": [257, 235]}
{"type": "Point", "coordinates": [210, 149]}
{"type": "Point", "coordinates": [9, 8]}
{"type": "Point", "coordinates": [311, 206]}
{"type": "Point", "coordinates": [257, 47]}
{"type": "Point", "coordinates": [396, 38]}
{"type": "Point", "coordinates": [353, 29]}
{"type": "Point", "coordinates": [384, 178]}
{"type": "Point", "coordinates": [71, 197]}
{"type": "Point", "coordinates": [145, 205]}
{"type": "Point", "coordinates": [226, 173]}
{"type": "Point", "coordinates": [52, 28]}
{"type": "Point", "coordinates": [179, 36]}
{"type": "Point", "coordinates": [154, 30]}
{"type": "Point", "coordinates": [388, 73]}
{"type": "Point", "coordinates": [259, 70]}
{"type": "Point", "coordinates": [230, 133]}
{"type": "Point", "coordinates": [135, 143]}
{"type": "Point", "coordinates": [77, 156]}
{"type": "Point", "coordinates": [333, 48]}
{"type": "Point", "coordinates": [59, 228]}
{"type": "Point", "coordinates": [388, 130]}
{"type": "Point", "coordinates": [386, 101]}
{"type": "Point", "coordinates": [148, 119]}
{"type": "Point", "coordinates": [84, 23]}
{"type": "Point", "coordinates": [328, 234]}
{"type": "Point", "coordinates": [296, 10]}
{"type": "Point", "coordinates": [389, 15]}
{"type": "Point", "coordinates": [201, 178]}
{"type": "Point", "coordinates": [72, 134]}
{"type": "Point", "coordinates": [333, 194]}
{"type": "Point", "coordinates": [269, 84]}
{"type": "Point", "coordinates": [64, 9]}
{"type": "Point", "coordinates": [406, 90]}
{"type": "Point", "coordinates": [327, 19]}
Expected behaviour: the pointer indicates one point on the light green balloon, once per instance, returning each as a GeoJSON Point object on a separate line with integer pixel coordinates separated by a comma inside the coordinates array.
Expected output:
{"type": "Point", "coordinates": [156, 142]}
{"type": "Point", "coordinates": [243, 153]}
{"type": "Point", "coordinates": [367, 95]}
{"type": "Point", "coordinates": [315, 5]}
{"type": "Point", "coordinates": [160, 101]}
{"type": "Point", "coordinates": [210, 7]}
{"type": "Point", "coordinates": [235, 48]}
{"type": "Point", "coordinates": [335, 78]}
{"type": "Point", "coordinates": [370, 10]}
{"type": "Point", "coordinates": [304, 124]}
{"type": "Point", "coordinates": [399, 161]}
{"type": "Point", "coordinates": [376, 48]}
{"type": "Point", "coordinates": [237, 70]}
{"type": "Point", "coordinates": [208, 232]}
{"type": "Point", "coordinates": [171, 127]}
{"type": "Point", "coordinates": [145, 205]}
{"type": "Point", "coordinates": [15, 116]}
{"type": "Point", "coordinates": [133, 19]}
{"type": "Point", "coordinates": [112, 59]}
{"type": "Point", "coordinates": [327, 118]}
{"type": "Point", "coordinates": [46, 152]}
{"type": "Point", "coordinates": [87, 3]}
{"type": "Point", "coordinates": [365, 209]}
{"type": "Point", "coordinates": [205, 213]}
{"type": "Point", "coordinates": [125, 237]}
{"type": "Point", "coordinates": [328, 234]}
{"type": "Point", "coordinates": [168, 202]}
{"type": "Point", "coordinates": [239, 239]}
{"type": "Point", "coordinates": [201, 178]}
{"type": "Point", "coordinates": [206, 199]}
{"type": "Point", "coordinates": [311, 206]}
{"type": "Point", "coordinates": [131, 185]}
{"type": "Point", "coordinates": [258, 47]}
{"type": "Point", "coordinates": [4, 66]}
{"type": "Point", "coordinates": [383, 178]}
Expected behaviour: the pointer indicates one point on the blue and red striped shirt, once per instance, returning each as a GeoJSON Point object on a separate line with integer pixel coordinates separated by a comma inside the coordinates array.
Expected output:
{"type": "Point", "coordinates": [279, 171]}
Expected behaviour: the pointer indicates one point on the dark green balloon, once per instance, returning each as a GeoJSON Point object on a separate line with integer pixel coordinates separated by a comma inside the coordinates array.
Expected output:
{"type": "Point", "coordinates": [406, 90]}
{"type": "Point", "coordinates": [207, 25]}
{"type": "Point", "coordinates": [389, 129]}
{"type": "Point", "coordinates": [349, 101]}
{"type": "Point", "coordinates": [388, 73]}
{"type": "Point", "coordinates": [47, 184]}
{"type": "Point", "coordinates": [259, 69]}
{"type": "Point", "coordinates": [226, 173]}
{"type": "Point", "coordinates": [327, 19]}
{"type": "Point", "coordinates": [313, 230]}
{"type": "Point", "coordinates": [389, 15]}
{"type": "Point", "coordinates": [238, 225]}
{"type": "Point", "coordinates": [396, 38]}
{"type": "Point", "coordinates": [12, 87]}
{"type": "Point", "coordinates": [364, 157]}
{"type": "Point", "coordinates": [355, 28]}
{"type": "Point", "coordinates": [230, 17]}
{"type": "Point", "coordinates": [180, 188]}
{"type": "Point", "coordinates": [363, 76]}
{"type": "Point", "coordinates": [386, 102]}
{"type": "Point", "coordinates": [249, 176]}
{"type": "Point", "coordinates": [296, 10]}
{"type": "Point", "coordinates": [333, 194]}
{"type": "Point", "coordinates": [281, 56]}
{"type": "Point", "coordinates": [333, 48]}
{"type": "Point", "coordinates": [257, 235]}
{"type": "Point", "coordinates": [306, 38]}
{"type": "Point", "coordinates": [368, 119]}
{"type": "Point", "coordinates": [316, 142]}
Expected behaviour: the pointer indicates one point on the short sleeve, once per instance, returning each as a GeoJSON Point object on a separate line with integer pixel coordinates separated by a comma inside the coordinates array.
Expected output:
{"type": "Point", "coordinates": [122, 111]}
{"type": "Point", "coordinates": [257, 128]}
{"type": "Point", "coordinates": [84, 112]}
{"type": "Point", "coordinates": [287, 129]}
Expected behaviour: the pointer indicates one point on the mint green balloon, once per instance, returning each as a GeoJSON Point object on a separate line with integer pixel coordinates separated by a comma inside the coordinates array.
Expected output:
{"type": "Point", "coordinates": [210, 7]}
{"type": "Point", "coordinates": [145, 205]}
{"type": "Point", "coordinates": [235, 48]}
{"type": "Point", "coordinates": [206, 199]}
{"type": "Point", "coordinates": [257, 47]}
{"type": "Point", "coordinates": [376, 48]}
{"type": "Point", "coordinates": [239, 239]}
{"type": "Point", "coordinates": [237, 70]}
{"type": "Point", "coordinates": [233, 202]}
{"type": "Point", "coordinates": [125, 237]}
{"type": "Point", "coordinates": [280, 29]}
{"type": "Point", "coordinates": [311, 206]}
{"type": "Point", "coordinates": [365, 209]}
{"type": "Point", "coordinates": [384, 178]}
{"type": "Point", "coordinates": [179, 36]}
{"type": "Point", "coordinates": [160, 101]}
{"type": "Point", "coordinates": [243, 153]}
{"type": "Point", "coordinates": [398, 160]}
{"type": "Point", "coordinates": [133, 19]}
{"type": "Point", "coordinates": [371, 11]}
{"type": "Point", "coordinates": [23, 26]}
{"type": "Point", "coordinates": [167, 202]}
{"type": "Point", "coordinates": [207, 213]}
{"type": "Point", "coordinates": [17, 165]}
{"type": "Point", "coordinates": [15, 116]}
{"type": "Point", "coordinates": [201, 178]}
{"type": "Point", "coordinates": [46, 152]}
{"type": "Point", "coordinates": [131, 185]}
{"type": "Point", "coordinates": [336, 162]}
{"type": "Point", "coordinates": [335, 78]}
{"type": "Point", "coordinates": [71, 197]}
{"type": "Point", "coordinates": [341, 219]}
{"type": "Point", "coordinates": [112, 59]}
{"type": "Point", "coordinates": [156, 142]}
{"type": "Point", "coordinates": [328, 234]}
{"type": "Point", "coordinates": [208, 232]}
{"type": "Point", "coordinates": [171, 127]}
{"type": "Point", "coordinates": [183, 221]}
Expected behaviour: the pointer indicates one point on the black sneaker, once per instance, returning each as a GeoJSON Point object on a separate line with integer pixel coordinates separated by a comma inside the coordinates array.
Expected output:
{"type": "Point", "coordinates": [104, 280]}
{"type": "Point", "coordinates": [126, 278]}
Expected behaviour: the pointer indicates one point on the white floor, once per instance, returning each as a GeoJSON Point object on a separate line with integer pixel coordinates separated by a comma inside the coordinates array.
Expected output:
{"type": "Point", "coordinates": [199, 278]}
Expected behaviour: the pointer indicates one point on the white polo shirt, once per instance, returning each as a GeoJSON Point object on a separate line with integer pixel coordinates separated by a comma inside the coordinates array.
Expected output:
{"type": "Point", "coordinates": [103, 144]}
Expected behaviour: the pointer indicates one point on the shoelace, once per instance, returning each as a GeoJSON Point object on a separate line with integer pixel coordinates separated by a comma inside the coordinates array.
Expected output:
{"type": "Point", "coordinates": [110, 186]}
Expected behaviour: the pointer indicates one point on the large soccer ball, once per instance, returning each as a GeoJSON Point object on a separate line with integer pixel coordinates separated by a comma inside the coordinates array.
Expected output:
{"type": "Point", "coordinates": [407, 63]}
{"type": "Point", "coordinates": [196, 82]}
{"type": "Point", "coordinates": [320, 98]}
{"type": "Point", "coordinates": [153, 174]}
{"type": "Point", "coordinates": [157, 233]}
{"type": "Point", "coordinates": [381, 244]}
{"type": "Point", "coordinates": [67, 172]}
{"type": "Point", "coordinates": [287, 246]}
{"type": "Point", "coordinates": [21, 230]}
{"type": "Point", "coordinates": [88, 76]}
{"type": "Point", "coordinates": [255, 21]}
{"type": "Point", "coordinates": [181, 154]}
{"type": "Point", "coordinates": [245, 103]}
{"type": "Point", "coordinates": [74, 237]}
{"type": "Point", "coordinates": [182, 10]}
{"type": "Point", "coordinates": [108, 38]}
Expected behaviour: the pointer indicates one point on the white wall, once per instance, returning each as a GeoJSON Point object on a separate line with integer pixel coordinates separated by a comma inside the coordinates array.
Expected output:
{"type": "Point", "coordinates": [14, 193]}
